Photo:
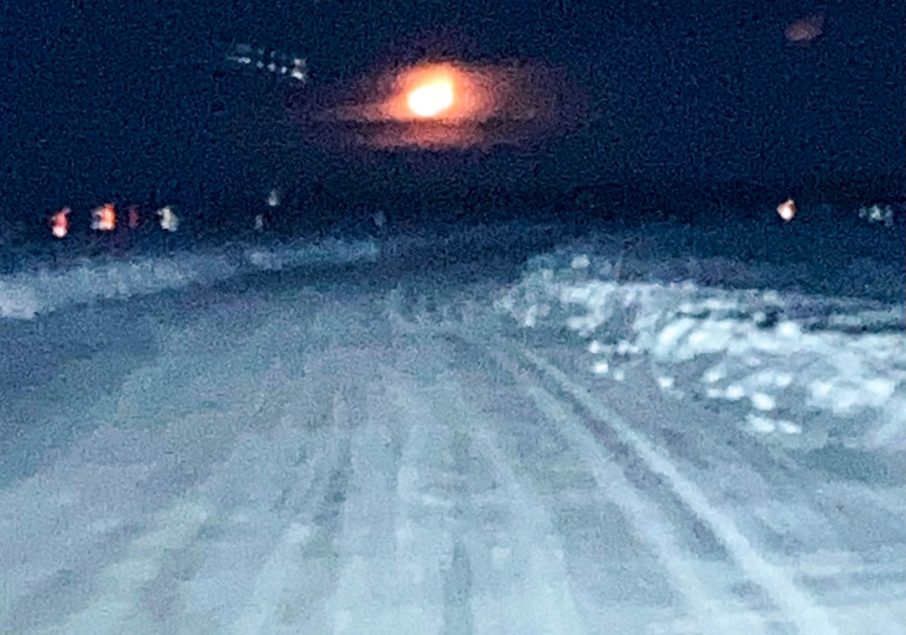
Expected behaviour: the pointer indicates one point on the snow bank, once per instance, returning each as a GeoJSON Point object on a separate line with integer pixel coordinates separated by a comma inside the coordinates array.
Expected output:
{"type": "Point", "coordinates": [40, 290]}
{"type": "Point", "coordinates": [329, 251]}
{"type": "Point", "coordinates": [800, 370]}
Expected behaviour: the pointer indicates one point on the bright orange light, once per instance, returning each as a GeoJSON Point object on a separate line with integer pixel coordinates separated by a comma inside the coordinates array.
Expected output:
{"type": "Point", "coordinates": [447, 104]}
{"type": "Point", "coordinates": [431, 99]}
{"type": "Point", "coordinates": [104, 218]}
{"type": "Point", "coordinates": [60, 223]}
{"type": "Point", "coordinates": [442, 92]}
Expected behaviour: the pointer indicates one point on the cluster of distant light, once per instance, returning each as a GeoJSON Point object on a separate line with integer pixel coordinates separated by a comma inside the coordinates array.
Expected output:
{"type": "Point", "coordinates": [104, 219]}
{"type": "Point", "coordinates": [878, 214]}
{"type": "Point", "coordinates": [269, 60]}
{"type": "Point", "coordinates": [787, 210]}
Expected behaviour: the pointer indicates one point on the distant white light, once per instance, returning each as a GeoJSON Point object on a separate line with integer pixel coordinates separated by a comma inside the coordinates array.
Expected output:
{"type": "Point", "coordinates": [787, 210]}
{"type": "Point", "coordinates": [273, 198]}
{"type": "Point", "coordinates": [169, 221]}
{"type": "Point", "coordinates": [878, 214]}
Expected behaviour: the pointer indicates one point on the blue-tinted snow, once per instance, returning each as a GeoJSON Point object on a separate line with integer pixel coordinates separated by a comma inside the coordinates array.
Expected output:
{"type": "Point", "coordinates": [803, 369]}
{"type": "Point", "coordinates": [42, 288]}
{"type": "Point", "coordinates": [383, 449]}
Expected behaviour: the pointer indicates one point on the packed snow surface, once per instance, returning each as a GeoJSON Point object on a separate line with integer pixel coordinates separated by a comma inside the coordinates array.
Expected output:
{"type": "Point", "coordinates": [601, 441]}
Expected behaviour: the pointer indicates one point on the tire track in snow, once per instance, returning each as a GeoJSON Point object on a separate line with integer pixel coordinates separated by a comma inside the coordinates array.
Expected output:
{"type": "Point", "coordinates": [290, 592]}
{"type": "Point", "coordinates": [524, 556]}
{"type": "Point", "coordinates": [797, 605]}
{"type": "Point", "coordinates": [650, 524]}
{"type": "Point", "coordinates": [368, 595]}
{"type": "Point", "coordinates": [644, 514]}
{"type": "Point", "coordinates": [432, 564]}
{"type": "Point", "coordinates": [113, 609]}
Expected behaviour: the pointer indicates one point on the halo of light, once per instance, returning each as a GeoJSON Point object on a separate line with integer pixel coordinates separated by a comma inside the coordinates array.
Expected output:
{"type": "Point", "coordinates": [441, 105]}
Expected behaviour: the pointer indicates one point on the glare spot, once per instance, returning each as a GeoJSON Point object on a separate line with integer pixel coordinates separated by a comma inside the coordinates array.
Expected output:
{"type": "Point", "coordinates": [788, 329]}
{"type": "Point", "coordinates": [699, 337]}
{"type": "Point", "coordinates": [431, 99]}
{"type": "Point", "coordinates": [761, 401]}
{"type": "Point", "coordinates": [761, 424]}
{"type": "Point", "coordinates": [596, 347]}
{"type": "Point", "coordinates": [601, 367]}
{"type": "Point", "coordinates": [788, 427]}
{"type": "Point", "coordinates": [714, 375]}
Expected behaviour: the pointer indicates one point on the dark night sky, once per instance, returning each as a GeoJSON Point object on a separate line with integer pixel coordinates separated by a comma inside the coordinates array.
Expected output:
{"type": "Point", "coordinates": [101, 101]}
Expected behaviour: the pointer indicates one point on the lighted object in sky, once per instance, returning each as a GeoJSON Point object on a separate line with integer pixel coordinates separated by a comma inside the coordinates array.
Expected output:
{"type": "Point", "coordinates": [806, 30]}
{"type": "Point", "coordinates": [103, 218]}
{"type": "Point", "coordinates": [169, 221]}
{"type": "Point", "coordinates": [787, 210]}
{"type": "Point", "coordinates": [444, 92]}
{"type": "Point", "coordinates": [59, 223]}
{"type": "Point", "coordinates": [438, 105]}
{"type": "Point", "coordinates": [273, 198]}
{"type": "Point", "coordinates": [270, 61]}
{"type": "Point", "coordinates": [432, 98]}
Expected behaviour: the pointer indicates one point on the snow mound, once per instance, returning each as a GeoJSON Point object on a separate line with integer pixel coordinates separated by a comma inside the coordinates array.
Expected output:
{"type": "Point", "coordinates": [43, 289]}
{"type": "Point", "coordinates": [800, 370]}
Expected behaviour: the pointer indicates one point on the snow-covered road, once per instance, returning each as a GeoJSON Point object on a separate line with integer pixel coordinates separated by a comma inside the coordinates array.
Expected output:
{"type": "Point", "coordinates": [343, 453]}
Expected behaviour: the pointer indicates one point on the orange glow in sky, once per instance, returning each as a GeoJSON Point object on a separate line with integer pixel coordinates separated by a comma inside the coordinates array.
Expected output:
{"type": "Point", "coordinates": [446, 104]}
{"type": "Point", "coordinates": [442, 92]}
{"type": "Point", "coordinates": [432, 98]}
